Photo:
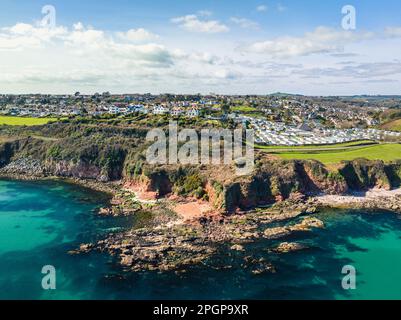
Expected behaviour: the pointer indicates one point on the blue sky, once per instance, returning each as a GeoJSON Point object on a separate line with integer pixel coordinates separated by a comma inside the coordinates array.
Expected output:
{"type": "Point", "coordinates": [121, 14]}
{"type": "Point", "coordinates": [125, 14]}
{"type": "Point", "coordinates": [200, 46]}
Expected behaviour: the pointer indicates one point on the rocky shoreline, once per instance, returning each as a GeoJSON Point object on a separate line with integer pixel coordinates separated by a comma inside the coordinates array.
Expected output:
{"type": "Point", "coordinates": [30, 169]}
{"type": "Point", "coordinates": [108, 188]}
{"type": "Point", "coordinates": [168, 243]}
{"type": "Point", "coordinates": [173, 248]}
{"type": "Point", "coordinates": [374, 199]}
{"type": "Point", "coordinates": [169, 240]}
{"type": "Point", "coordinates": [174, 245]}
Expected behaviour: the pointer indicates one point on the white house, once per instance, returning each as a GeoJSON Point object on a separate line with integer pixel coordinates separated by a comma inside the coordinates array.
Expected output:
{"type": "Point", "coordinates": [136, 108]}
{"type": "Point", "coordinates": [193, 112]}
{"type": "Point", "coordinates": [114, 110]}
{"type": "Point", "coordinates": [160, 110]}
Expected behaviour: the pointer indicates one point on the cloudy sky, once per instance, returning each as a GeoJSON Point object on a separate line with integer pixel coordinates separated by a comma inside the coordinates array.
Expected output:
{"type": "Point", "coordinates": [191, 46]}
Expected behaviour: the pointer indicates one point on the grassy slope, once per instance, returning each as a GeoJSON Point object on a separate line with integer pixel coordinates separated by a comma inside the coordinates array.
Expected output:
{"type": "Point", "coordinates": [385, 152]}
{"type": "Point", "coordinates": [22, 121]}
{"type": "Point", "coordinates": [392, 125]}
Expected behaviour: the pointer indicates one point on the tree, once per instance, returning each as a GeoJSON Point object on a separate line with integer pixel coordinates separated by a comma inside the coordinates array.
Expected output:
{"type": "Point", "coordinates": [225, 108]}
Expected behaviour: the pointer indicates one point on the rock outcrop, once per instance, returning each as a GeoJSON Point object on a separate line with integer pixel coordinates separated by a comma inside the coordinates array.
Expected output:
{"type": "Point", "coordinates": [275, 181]}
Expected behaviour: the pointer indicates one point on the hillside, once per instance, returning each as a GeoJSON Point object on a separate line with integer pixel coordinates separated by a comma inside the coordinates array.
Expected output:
{"type": "Point", "coordinates": [394, 125]}
{"type": "Point", "coordinates": [112, 153]}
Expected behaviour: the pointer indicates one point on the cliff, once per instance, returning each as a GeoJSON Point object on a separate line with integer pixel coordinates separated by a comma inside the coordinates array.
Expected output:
{"type": "Point", "coordinates": [117, 154]}
{"type": "Point", "coordinates": [271, 181]}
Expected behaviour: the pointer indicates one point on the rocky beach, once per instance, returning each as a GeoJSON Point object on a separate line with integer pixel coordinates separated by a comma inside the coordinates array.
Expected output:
{"type": "Point", "coordinates": [178, 232]}
{"type": "Point", "coordinates": [374, 199]}
{"type": "Point", "coordinates": [186, 213]}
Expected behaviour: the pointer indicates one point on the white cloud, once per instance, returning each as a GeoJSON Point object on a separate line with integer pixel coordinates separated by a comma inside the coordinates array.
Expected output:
{"type": "Point", "coordinates": [81, 40]}
{"type": "Point", "coordinates": [321, 40]}
{"type": "Point", "coordinates": [261, 8]}
{"type": "Point", "coordinates": [35, 58]}
{"type": "Point", "coordinates": [56, 53]}
{"type": "Point", "coordinates": [81, 58]}
{"type": "Point", "coordinates": [194, 24]}
{"type": "Point", "coordinates": [137, 35]}
{"type": "Point", "coordinates": [227, 74]}
{"type": "Point", "coordinates": [22, 35]}
{"type": "Point", "coordinates": [78, 26]}
{"type": "Point", "coordinates": [85, 38]}
{"type": "Point", "coordinates": [393, 32]}
{"type": "Point", "coordinates": [245, 23]}
{"type": "Point", "coordinates": [358, 70]}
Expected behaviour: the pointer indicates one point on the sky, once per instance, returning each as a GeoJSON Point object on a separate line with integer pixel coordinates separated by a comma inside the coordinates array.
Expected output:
{"type": "Point", "coordinates": [309, 47]}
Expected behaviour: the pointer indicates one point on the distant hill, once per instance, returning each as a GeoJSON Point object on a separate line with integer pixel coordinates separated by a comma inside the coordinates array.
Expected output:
{"type": "Point", "coordinates": [379, 97]}
{"type": "Point", "coordinates": [361, 96]}
{"type": "Point", "coordinates": [283, 94]}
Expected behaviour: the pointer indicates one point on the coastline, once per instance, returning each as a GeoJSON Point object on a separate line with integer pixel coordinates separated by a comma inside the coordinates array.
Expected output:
{"type": "Point", "coordinates": [172, 242]}
{"type": "Point", "coordinates": [105, 187]}
{"type": "Point", "coordinates": [373, 199]}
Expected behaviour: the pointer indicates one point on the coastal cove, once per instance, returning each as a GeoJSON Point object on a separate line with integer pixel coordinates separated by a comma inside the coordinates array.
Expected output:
{"type": "Point", "coordinates": [41, 221]}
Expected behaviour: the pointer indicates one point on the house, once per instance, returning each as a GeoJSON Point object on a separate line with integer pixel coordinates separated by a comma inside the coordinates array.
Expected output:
{"type": "Point", "coordinates": [124, 110]}
{"type": "Point", "coordinates": [193, 112]}
{"type": "Point", "coordinates": [136, 108]}
{"type": "Point", "coordinates": [176, 111]}
{"type": "Point", "coordinates": [113, 109]}
{"type": "Point", "coordinates": [160, 110]}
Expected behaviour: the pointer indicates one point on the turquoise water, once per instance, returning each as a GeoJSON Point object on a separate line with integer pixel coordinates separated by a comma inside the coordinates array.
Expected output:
{"type": "Point", "coordinates": [41, 221]}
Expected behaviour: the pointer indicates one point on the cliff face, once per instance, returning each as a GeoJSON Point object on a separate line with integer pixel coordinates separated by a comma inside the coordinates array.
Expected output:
{"type": "Point", "coordinates": [80, 170]}
{"type": "Point", "coordinates": [89, 154]}
{"type": "Point", "coordinates": [33, 157]}
{"type": "Point", "coordinates": [363, 174]}
{"type": "Point", "coordinates": [274, 181]}
{"type": "Point", "coordinates": [279, 180]}
{"type": "Point", "coordinates": [7, 150]}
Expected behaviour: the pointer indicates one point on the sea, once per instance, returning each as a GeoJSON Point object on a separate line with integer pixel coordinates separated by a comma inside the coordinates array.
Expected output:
{"type": "Point", "coordinates": [41, 221]}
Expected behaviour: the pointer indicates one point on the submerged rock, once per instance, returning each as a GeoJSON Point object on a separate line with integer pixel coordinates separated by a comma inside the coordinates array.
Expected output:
{"type": "Point", "coordinates": [286, 247]}
{"type": "Point", "coordinates": [312, 222]}
{"type": "Point", "coordinates": [276, 233]}
{"type": "Point", "coordinates": [83, 248]}
{"type": "Point", "coordinates": [237, 247]}
{"type": "Point", "coordinates": [173, 246]}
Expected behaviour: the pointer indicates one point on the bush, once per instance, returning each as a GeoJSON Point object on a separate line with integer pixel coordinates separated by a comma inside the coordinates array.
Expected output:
{"type": "Point", "coordinates": [54, 152]}
{"type": "Point", "coordinates": [192, 183]}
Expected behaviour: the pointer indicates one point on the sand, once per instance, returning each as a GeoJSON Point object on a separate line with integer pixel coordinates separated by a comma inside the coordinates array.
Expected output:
{"type": "Point", "coordinates": [193, 209]}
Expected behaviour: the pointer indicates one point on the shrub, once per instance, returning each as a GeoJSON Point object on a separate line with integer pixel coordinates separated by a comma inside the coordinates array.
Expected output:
{"type": "Point", "coordinates": [54, 152]}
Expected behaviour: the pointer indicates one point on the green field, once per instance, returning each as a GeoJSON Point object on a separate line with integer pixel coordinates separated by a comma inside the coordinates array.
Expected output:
{"type": "Point", "coordinates": [385, 152]}
{"type": "Point", "coordinates": [316, 147]}
{"type": "Point", "coordinates": [243, 109]}
{"type": "Point", "coordinates": [24, 121]}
